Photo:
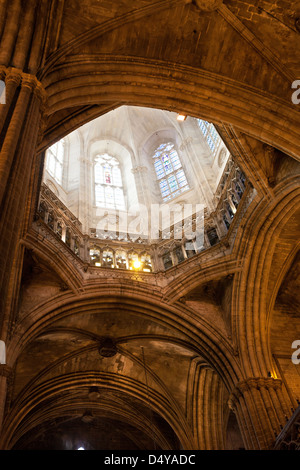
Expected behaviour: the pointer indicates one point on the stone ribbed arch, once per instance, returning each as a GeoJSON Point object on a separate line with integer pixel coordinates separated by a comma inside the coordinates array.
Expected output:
{"type": "Point", "coordinates": [138, 362]}
{"type": "Point", "coordinates": [199, 334]}
{"type": "Point", "coordinates": [198, 275]}
{"type": "Point", "coordinates": [35, 387]}
{"type": "Point", "coordinates": [73, 81]}
{"type": "Point", "coordinates": [109, 410]}
{"type": "Point", "coordinates": [206, 410]}
{"type": "Point", "coordinates": [106, 27]}
{"type": "Point", "coordinates": [91, 80]}
{"type": "Point", "coordinates": [250, 311]}
{"type": "Point", "coordinates": [285, 269]}
{"type": "Point", "coordinates": [49, 392]}
{"type": "Point", "coordinates": [67, 271]}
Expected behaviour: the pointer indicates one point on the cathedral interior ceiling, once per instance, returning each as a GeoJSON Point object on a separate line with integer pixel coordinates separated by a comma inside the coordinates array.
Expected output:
{"type": "Point", "coordinates": [93, 354]}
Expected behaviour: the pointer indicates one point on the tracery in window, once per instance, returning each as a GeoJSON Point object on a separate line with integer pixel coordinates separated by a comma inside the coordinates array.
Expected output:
{"type": "Point", "coordinates": [146, 262]}
{"type": "Point", "coordinates": [55, 160]}
{"type": "Point", "coordinates": [121, 260]}
{"type": "Point", "coordinates": [108, 258]}
{"type": "Point", "coordinates": [133, 260]}
{"type": "Point", "coordinates": [210, 133]}
{"type": "Point", "coordinates": [108, 183]}
{"type": "Point", "coordinates": [95, 257]}
{"type": "Point", "coordinates": [169, 171]}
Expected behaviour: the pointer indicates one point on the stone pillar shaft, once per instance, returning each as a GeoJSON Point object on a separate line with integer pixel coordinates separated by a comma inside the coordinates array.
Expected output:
{"type": "Point", "coordinates": [258, 404]}
{"type": "Point", "coordinates": [5, 372]}
{"type": "Point", "coordinates": [21, 119]}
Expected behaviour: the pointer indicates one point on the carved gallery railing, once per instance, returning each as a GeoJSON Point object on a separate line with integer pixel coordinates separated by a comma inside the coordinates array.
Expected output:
{"type": "Point", "coordinates": [61, 221]}
{"type": "Point", "coordinates": [125, 251]}
{"type": "Point", "coordinates": [289, 437]}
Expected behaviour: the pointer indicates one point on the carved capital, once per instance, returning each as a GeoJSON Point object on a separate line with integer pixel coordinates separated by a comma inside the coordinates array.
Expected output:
{"type": "Point", "coordinates": [232, 403]}
{"type": "Point", "coordinates": [13, 76]}
{"type": "Point", "coordinates": [5, 370]}
{"type": "Point", "coordinates": [17, 76]}
{"type": "Point", "coordinates": [245, 386]}
{"type": "Point", "coordinates": [257, 383]}
{"type": "Point", "coordinates": [31, 82]}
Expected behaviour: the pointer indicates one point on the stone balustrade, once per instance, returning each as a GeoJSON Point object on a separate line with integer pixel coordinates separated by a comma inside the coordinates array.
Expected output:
{"type": "Point", "coordinates": [289, 437]}
{"type": "Point", "coordinates": [125, 251]}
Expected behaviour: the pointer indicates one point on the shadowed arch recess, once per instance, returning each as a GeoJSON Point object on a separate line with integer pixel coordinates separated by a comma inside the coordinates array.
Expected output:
{"type": "Point", "coordinates": [198, 93]}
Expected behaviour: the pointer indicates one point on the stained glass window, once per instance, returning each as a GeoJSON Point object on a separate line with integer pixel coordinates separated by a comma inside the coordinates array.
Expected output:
{"type": "Point", "coordinates": [169, 171]}
{"type": "Point", "coordinates": [108, 183]}
{"type": "Point", "coordinates": [55, 160]}
{"type": "Point", "coordinates": [210, 133]}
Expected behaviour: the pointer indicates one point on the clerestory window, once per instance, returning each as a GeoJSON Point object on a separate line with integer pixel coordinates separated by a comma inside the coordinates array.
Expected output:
{"type": "Point", "coordinates": [210, 133]}
{"type": "Point", "coordinates": [55, 161]}
{"type": "Point", "coordinates": [170, 174]}
{"type": "Point", "coordinates": [108, 183]}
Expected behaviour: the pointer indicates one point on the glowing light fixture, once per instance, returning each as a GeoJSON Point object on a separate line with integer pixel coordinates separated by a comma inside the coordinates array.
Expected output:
{"type": "Point", "coordinates": [80, 448]}
{"type": "Point", "coordinates": [181, 117]}
{"type": "Point", "coordinates": [137, 264]}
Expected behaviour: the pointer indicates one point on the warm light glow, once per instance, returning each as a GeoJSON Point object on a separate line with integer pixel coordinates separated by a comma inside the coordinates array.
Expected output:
{"type": "Point", "coordinates": [181, 117]}
{"type": "Point", "coordinates": [80, 448]}
{"type": "Point", "coordinates": [97, 264]}
{"type": "Point", "coordinates": [137, 264]}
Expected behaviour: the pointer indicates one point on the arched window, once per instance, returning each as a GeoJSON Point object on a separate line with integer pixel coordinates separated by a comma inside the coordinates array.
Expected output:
{"type": "Point", "coordinates": [55, 160]}
{"type": "Point", "coordinates": [169, 171]}
{"type": "Point", "coordinates": [95, 257]}
{"type": "Point", "coordinates": [210, 133]}
{"type": "Point", "coordinates": [108, 183]}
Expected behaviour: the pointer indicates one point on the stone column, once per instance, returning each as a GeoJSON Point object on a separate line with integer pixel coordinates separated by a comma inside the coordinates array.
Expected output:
{"type": "Point", "coordinates": [142, 184]}
{"type": "Point", "coordinates": [5, 372]}
{"type": "Point", "coordinates": [208, 409]}
{"type": "Point", "coordinates": [260, 408]}
{"type": "Point", "coordinates": [20, 120]}
{"type": "Point", "coordinates": [85, 249]}
{"type": "Point", "coordinates": [85, 201]}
